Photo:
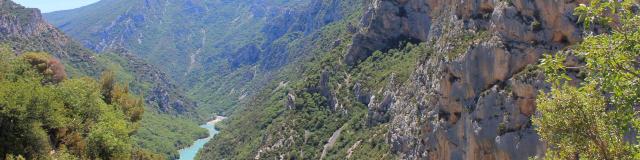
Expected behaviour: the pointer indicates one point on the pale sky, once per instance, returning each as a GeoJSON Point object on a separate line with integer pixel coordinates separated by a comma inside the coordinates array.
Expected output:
{"type": "Point", "coordinates": [54, 5]}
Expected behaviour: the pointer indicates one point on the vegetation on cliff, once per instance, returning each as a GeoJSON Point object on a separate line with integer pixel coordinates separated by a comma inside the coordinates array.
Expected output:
{"type": "Point", "coordinates": [311, 118]}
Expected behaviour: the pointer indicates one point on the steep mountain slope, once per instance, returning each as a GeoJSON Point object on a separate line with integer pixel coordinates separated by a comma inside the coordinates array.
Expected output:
{"type": "Point", "coordinates": [466, 91]}
{"type": "Point", "coordinates": [25, 30]}
{"type": "Point", "coordinates": [223, 52]}
{"type": "Point", "coordinates": [225, 47]}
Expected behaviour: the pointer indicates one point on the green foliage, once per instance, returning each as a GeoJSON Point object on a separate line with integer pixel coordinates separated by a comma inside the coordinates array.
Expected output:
{"type": "Point", "coordinates": [166, 134]}
{"type": "Point", "coordinates": [12, 157]}
{"type": "Point", "coordinates": [142, 154]}
{"type": "Point", "coordinates": [78, 61]}
{"type": "Point", "coordinates": [243, 133]}
{"type": "Point", "coordinates": [158, 132]}
{"type": "Point", "coordinates": [307, 128]}
{"type": "Point", "coordinates": [122, 70]}
{"type": "Point", "coordinates": [615, 15]}
{"type": "Point", "coordinates": [51, 68]}
{"type": "Point", "coordinates": [536, 25]}
{"type": "Point", "coordinates": [591, 120]}
{"type": "Point", "coordinates": [43, 116]}
{"type": "Point", "coordinates": [377, 69]}
{"type": "Point", "coordinates": [577, 124]}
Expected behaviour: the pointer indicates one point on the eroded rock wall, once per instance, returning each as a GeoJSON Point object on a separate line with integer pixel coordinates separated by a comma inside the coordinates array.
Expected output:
{"type": "Point", "coordinates": [471, 99]}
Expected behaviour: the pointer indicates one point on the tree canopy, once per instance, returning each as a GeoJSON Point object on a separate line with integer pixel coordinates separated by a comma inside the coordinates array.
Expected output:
{"type": "Point", "coordinates": [45, 115]}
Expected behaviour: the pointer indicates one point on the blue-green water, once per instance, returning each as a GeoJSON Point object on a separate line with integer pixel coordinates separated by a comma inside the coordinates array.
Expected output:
{"type": "Point", "coordinates": [190, 153]}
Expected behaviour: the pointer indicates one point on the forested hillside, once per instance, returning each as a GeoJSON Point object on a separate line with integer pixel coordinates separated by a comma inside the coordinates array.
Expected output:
{"type": "Point", "coordinates": [221, 51]}
{"type": "Point", "coordinates": [23, 30]}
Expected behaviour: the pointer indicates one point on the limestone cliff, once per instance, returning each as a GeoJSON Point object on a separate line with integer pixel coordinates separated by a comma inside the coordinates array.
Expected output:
{"type": "Point", "coordinates": [473, 102]}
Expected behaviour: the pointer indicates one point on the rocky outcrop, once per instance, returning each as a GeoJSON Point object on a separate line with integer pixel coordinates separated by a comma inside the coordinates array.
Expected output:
{"type": "Point", "coordinates": [386, 24]}
{"type": "Point", "coordinates": [290, 101]}
{"type": "Point", "coordinates": [472, 98]}
{"type": "Point", "coordinates": [325, 89]}
{"type": "Point", "coordinates": [331, 142]}
{"type": "Point", "coordinates": [362, 95]}
{"type": "Point", "coordinates": [163, 94]}
{"type": "Point", "coordinates": [378, 109]}
{"type": "Point", "coordinates": [19, 21]}
{"type": "Point", "coordinates": [25, 30]}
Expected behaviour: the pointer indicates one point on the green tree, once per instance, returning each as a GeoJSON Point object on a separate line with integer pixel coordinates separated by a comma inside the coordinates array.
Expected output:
{"type": "Point", "coordinates": [44, 115]}
{"type": "Point", "coordinates": [591, 119]}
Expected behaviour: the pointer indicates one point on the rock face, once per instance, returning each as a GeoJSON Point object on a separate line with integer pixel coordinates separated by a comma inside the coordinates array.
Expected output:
{"type": "Point", "coordinates": [25, 30]}
{"type": "Point", "coordinates": [386, 23]}
{"type": "Point", "coordinates": [163, 94]}
{"type": "Point", "coordinates": [378, 110]}
{"type": "Point", "coordinates": [290, 102]}
{"type": "Point", "coordinates": [325, 89]}
{"type": "Point", "coordinates": [19, 21]}
{"type": "Point", "coordinates": [473, 104]}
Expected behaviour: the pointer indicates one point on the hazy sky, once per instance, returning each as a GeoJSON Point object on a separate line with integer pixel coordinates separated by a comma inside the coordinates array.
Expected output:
{"type": "Point", "coordinates": [54, 5]}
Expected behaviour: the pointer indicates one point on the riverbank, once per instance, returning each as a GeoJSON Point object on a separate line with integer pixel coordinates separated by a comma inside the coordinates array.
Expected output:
{"type": "Point", "coordinates": [216, 120]}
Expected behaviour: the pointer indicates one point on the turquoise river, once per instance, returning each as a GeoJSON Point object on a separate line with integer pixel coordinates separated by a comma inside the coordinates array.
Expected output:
{"type": "Point", "coordinates": [191, 152]}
